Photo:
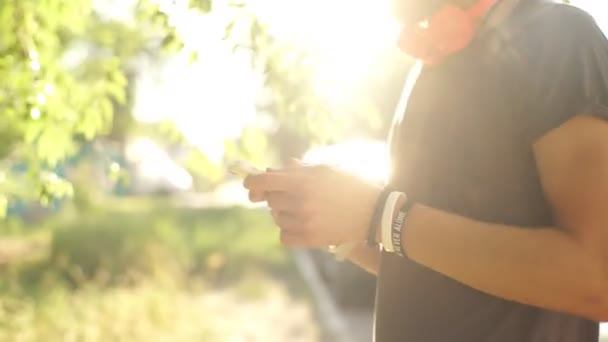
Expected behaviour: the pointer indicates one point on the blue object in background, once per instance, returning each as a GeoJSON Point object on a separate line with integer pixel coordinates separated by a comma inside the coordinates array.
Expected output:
{"type": "Point", "coordinates": [91, 152]}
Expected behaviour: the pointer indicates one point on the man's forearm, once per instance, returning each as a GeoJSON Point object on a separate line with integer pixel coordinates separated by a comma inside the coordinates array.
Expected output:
{"type": "Point", "coordinates": [540, 267]}
{"type": "Point", "coordinates": [367, 258]}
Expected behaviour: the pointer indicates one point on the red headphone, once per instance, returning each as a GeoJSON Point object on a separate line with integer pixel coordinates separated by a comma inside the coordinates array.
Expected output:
{"type": "Point", "coordinates": [448, 31]}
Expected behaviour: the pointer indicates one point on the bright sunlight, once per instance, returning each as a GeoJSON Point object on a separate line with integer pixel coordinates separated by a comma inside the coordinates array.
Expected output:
{"type": "Point", "coordinates": [343, 36]}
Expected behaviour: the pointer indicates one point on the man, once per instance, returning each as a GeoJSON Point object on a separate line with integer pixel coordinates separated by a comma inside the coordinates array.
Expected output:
{"type": "Point", "coordinates": [502, 150]}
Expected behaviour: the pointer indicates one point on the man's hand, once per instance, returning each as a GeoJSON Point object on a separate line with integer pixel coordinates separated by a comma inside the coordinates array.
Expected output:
{"type": "Point", "coordinates": [316, 206]}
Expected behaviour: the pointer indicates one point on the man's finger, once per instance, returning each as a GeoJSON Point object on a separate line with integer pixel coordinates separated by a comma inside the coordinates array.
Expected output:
{"type": "Point", "coordinates": [283, 201]}
{"type": "Point", "coordinates": [257, 196]}
{"type": "Point", "coordinates": [275, 216]}
{"type": "Point", "coordinates": [273, 182]}
{"type": "Point", "coordinates": [288, 222]}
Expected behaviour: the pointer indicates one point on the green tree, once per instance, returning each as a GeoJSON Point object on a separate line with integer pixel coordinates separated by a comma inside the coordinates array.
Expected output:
{"type": "Point", "coordinates": [46, 101]}
{"type": "Point", "coordinates": [304, 116]}
{"type": "Point", "coordinates": [65, 71]}
{"type": "Point", "coordinates": [68, 74]}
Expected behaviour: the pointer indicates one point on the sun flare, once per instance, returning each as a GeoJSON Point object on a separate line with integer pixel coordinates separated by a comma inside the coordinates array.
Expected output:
{"type": "Point", "coordinates": [345, 37]}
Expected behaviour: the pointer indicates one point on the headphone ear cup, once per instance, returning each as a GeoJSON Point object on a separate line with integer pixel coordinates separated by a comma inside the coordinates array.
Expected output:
{"type": "Point", "coordinates": [451, 30]}
{"type": "Point", "coordinates": [416, 42]}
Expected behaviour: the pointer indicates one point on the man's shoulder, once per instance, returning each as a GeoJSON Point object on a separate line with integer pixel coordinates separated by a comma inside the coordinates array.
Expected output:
{"type": "Point", "coordinates": [567, 61]}
{"type": "Point", "coordinates": [561, 22]}
{"type": "Point", "coordinates": [564, 9]}
{"type": "Point", "coordinates": [557, 35]}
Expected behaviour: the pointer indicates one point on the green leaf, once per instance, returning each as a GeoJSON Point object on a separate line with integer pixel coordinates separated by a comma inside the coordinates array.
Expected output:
{"type": "Point", "coordinates": [3, 206]}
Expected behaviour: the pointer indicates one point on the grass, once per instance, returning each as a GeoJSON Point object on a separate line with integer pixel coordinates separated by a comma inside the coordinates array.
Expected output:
{"type": "Point", "coordinates": [143, 270]}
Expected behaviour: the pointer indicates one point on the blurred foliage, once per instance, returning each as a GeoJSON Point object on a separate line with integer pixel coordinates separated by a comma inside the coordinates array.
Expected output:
{"type": "Point", "coordinates": [305, 116]}
{"type": "Point", "coordinates": [133, 239]}
{"type": "Point", "coordinates": [139, 270]}
{"type": "Point", "coordinates": [66, 70]}
{"type": "Point", "coordinates": [68, 77]}
{"type": "Point", "coordinates": [69, 72]}
{"type": "Point", "coordinates": [141, 313]}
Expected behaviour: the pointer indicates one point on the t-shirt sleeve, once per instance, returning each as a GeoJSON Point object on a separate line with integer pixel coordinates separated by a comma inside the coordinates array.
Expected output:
{"type": "Point", "coordinates": [572, 72]}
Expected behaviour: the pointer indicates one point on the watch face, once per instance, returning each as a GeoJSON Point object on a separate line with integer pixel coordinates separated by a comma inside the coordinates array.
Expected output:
{"type": "Point", "coordinates": [411, 12]}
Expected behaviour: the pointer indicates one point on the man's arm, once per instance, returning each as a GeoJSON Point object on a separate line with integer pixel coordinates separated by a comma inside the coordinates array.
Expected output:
{"type": "Point", "coordinates": [562, 268]}
{"type": "Point", "coordinates": [368, 258]}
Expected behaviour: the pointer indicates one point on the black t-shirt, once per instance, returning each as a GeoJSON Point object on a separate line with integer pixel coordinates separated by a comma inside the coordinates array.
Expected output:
{"type": "Point", "coordinates": [462, 142]}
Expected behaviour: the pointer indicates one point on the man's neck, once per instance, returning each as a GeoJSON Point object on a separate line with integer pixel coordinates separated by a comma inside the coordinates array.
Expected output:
{"type": "Point", "coordinates": [464, 3]}
{"type": "Point", "coordinates": [503, 9]}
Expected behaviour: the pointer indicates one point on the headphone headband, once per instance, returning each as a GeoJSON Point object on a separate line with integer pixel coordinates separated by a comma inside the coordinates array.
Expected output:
{"type": "Point", "coordinates": [480, 8]}
{"type": "Point", "coordinates": [449, 30]}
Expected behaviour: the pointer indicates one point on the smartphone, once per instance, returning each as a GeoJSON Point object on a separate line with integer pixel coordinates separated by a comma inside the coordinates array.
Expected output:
{"type": "Point", "coordinates": [243, 169]}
